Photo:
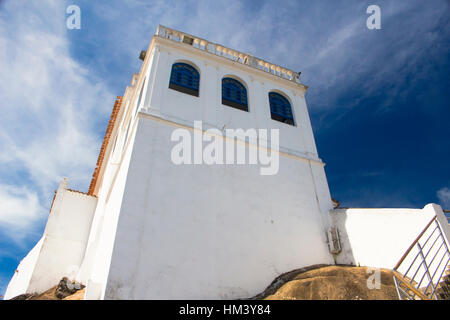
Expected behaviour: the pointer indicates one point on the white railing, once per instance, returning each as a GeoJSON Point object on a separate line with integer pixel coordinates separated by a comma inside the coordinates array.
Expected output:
{"type": "Point", "coordinates": [228, 53]}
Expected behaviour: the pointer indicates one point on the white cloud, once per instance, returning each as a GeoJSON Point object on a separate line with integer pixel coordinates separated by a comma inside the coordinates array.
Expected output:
{"type": "Point", "coordinates": [49, 107]}
{"type": "Point", "coordinates": [444, 198]}
{"type": "Point", "coordinates": [19, 210]}
{"type": "Point", "coordinates": [50, 103]}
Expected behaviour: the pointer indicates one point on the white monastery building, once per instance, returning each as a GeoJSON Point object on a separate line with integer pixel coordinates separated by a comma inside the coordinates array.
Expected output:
{"type": "Point", "coordinates": [152, 227]}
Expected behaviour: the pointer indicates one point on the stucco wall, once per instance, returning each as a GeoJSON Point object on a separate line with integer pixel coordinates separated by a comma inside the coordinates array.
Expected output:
{"type": "Point", "coordinates": [380, 237]}
{"type": "Point", "coordinates": [95, 267]}
{"type": "Point", "coordinates": [210, 231]}
{"type": "Point", "coordinates": [21, 279]}
{"type": "Point", "coordinates": [60, 251]}
{"type": "Point", "coordinates": [111, 183]}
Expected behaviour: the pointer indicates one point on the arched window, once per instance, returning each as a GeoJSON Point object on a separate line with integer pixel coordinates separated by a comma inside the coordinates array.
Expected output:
{"type": "Point", "coordinates": [184, 78]}
{"type": "Point", "coordinates": [280, 108]}
{"type": "Point", "coordinates": [234, 94]}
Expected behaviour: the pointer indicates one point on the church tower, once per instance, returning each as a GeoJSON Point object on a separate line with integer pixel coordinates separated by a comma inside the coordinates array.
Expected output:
{"type": "Point", "coordinates": [190, 231]}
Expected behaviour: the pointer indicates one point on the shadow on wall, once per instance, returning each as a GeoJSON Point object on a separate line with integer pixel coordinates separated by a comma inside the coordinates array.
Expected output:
{"type": "Point", "coordinates": [338, 218]}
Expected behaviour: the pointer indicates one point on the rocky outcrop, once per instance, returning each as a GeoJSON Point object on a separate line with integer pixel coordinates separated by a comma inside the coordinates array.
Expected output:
{"type": "Point", "coordinates": [65, 290]}
{"type": "Point", "coordinates": [332, 283]}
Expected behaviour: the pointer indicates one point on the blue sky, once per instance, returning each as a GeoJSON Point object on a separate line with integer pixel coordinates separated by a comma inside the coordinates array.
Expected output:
{"type": "Point", "coordinates": [378, 99]}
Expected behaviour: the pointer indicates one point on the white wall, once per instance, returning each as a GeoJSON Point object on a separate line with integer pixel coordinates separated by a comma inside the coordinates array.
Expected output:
{"type": "Point", "coordinates": [21, 278]}
{"type": "Point", "coordinates": [210, 232]}
{"type": "Point", "coordinates": [106, 235]}
{"type": "Point", "coordinates": [379, 237]}
{"type": "Point", "coordinates": [111, 182]}
{"type": "Point", "coordinates": [60, 251]}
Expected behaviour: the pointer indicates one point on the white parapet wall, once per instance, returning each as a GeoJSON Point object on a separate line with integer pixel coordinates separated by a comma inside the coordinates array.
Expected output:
{"type": "Point", "coordinates": [379, 237]}
{"type": "Point", "coordinates": [60, 251]}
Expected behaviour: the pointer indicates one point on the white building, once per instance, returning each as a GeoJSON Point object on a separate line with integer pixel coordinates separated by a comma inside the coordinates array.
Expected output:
{"type": "Point", "coordinates": [152, 229]}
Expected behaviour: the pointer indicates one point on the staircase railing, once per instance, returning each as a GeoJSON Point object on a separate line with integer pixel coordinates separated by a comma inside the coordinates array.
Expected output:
{"type": "Point", "coordinates": [420, 272]}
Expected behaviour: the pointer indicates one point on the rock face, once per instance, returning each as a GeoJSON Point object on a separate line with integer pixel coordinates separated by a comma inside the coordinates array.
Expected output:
{"type": "Point", "coordinates": [66, 288]}
{"type": "Point", "coordinates": [332, 283]}
{"type": "Point", "coordinates": [25, 296]}
{"type": "Point", "coordinates": [79, 295]}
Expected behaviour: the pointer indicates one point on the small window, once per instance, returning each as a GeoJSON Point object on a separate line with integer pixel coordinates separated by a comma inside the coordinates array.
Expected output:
{"type": "Point", "coordinates": [184, 78]}
{"type": "Point", "coordinates": [280, 108]}
{"type": "Point", "coordinates": [234, 94]}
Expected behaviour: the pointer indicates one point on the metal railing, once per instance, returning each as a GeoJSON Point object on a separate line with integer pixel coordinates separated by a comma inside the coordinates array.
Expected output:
{"type": "Point", "coordinates": [419, 273]}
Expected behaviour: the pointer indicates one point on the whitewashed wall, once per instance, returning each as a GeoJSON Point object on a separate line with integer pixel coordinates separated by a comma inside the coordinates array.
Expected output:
{"type": "Point", "coordinates": [21, 278]}
{"type": "Point", "coordinates": [379, 237]}
{"type": "Point", "coordinates": [112, 179]}
{"type": "Point", "coordinates": [210, 232]}
{"type": "Point", "coordinates": [60, 251]}
{"type": "Point", "coordinates": [106, 233]}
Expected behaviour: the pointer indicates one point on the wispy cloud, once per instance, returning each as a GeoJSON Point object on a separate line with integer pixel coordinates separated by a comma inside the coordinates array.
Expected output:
{"type": "Point", "coordinates": [327, 41]}
{"type": "Point", "coordinates": [19, 211]}
{"type": "Point", "coordinates": [444, 198]}
{"type": "Point", "coordinates": [50, 106]}
{"type": "Point", "coordinates": [49, 101]}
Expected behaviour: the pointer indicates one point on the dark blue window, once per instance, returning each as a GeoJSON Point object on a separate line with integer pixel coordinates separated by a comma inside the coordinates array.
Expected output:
{"type": "Point", "coordinates": [184, 78]}
{"type": "Point", "coordinates": [280, 108]}
{"type": "Point", "coordinates": [234, 94]}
